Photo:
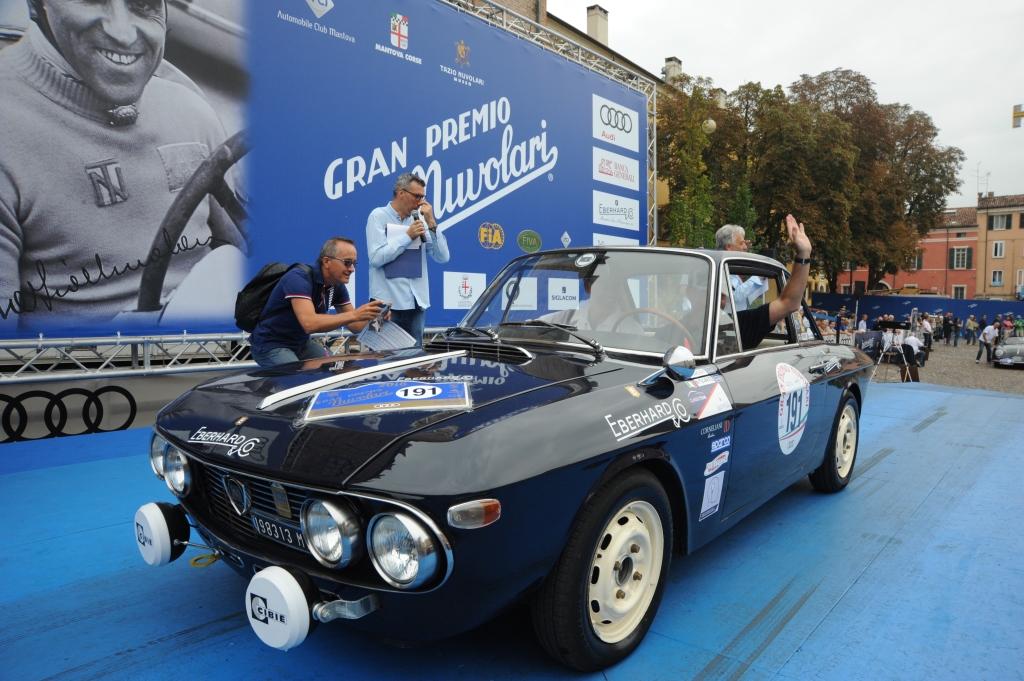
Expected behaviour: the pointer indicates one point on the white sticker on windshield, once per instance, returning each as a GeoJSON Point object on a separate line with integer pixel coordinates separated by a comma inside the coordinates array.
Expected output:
{"type": "Point", "coordinates": [563, 294]}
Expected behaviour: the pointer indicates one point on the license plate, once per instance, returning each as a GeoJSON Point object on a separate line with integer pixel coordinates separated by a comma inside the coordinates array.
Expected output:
{"type": "Point", "coordinates": [283, 533]}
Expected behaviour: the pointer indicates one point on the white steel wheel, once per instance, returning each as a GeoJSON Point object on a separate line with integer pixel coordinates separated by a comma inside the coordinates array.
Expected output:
{"type": "Point", "coordinates": [597, 603]}
{"type": "Point", "coordinates": [846, 440]}
{"type": "Point", "coordinates": [836, 467]}
{"type": "Point", "coordinates": [625, 571]}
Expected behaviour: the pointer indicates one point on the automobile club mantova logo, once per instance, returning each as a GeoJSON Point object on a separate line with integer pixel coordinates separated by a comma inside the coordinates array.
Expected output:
{"type": "Point", "coordinates": [320, 7]}
{"type": "Point", "coordinates": [399, 31]}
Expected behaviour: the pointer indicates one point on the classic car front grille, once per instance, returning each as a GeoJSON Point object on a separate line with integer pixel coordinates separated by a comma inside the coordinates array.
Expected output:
{"type": "Point", "coordinates": [496, 352]}
{"type": "Point", "coordinates": [262, 501]}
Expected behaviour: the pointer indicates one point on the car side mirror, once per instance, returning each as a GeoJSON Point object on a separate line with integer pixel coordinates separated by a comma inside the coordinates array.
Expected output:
{"type": "Point", "coordinates": [677, 363]}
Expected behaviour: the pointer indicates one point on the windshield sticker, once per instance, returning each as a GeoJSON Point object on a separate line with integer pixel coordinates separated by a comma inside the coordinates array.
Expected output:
{"type": "Point", "coordinates": [585, 259]}
{"type": "Point", "coordinates": [716, 463]}
{"type": "Point", "coordinates": [702, 381]}
{"type": "Point", "coordinates": [667, 410]}
{"type": "Point", "coordinates": [794, 406]}
{"type": "Point", "coordinates": [712, 495]}
{"type": "Point", "coordinates": [389, 396]}
{"type": "Point", "coordinates": [237, 444]}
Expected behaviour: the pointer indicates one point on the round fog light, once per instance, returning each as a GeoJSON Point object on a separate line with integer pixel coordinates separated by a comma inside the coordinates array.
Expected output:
{"type": "Point", "coordinates": [332, 532]}
{"type": "Point", "coordinates": [176, 472]}
{"type": "Point", "coordinates": [402, 550]}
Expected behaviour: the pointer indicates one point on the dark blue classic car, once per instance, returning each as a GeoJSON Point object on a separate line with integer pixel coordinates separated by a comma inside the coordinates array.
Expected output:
{"type": "Point", "coordinates": [595, 413]}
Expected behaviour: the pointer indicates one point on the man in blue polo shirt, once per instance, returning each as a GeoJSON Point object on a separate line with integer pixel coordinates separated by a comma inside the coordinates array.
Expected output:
{"type": "Point", "coordinates": [398, 244]}
{"type": "Point", "coordinates": [299, 304]}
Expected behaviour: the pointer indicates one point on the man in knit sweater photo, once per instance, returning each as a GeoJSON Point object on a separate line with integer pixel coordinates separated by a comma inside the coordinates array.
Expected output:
{"type": "Point", "coordinates": [100, 136]}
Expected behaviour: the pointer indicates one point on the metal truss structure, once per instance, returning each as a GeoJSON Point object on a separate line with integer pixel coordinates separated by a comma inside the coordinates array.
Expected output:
{"type": "Point", "coordinates": [518, 25]}
{"type": "Point", "coordinates": [62, 359]}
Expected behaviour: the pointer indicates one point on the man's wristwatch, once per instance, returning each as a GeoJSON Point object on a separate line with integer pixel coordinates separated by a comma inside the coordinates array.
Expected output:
{"type": "Point", "coordinates": [802, 261]}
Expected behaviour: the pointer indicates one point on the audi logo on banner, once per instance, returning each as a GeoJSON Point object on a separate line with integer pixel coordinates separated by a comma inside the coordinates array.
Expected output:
{"type": "Point", "coordinates": [613, 118]}
{"type": "Point", "coordinates": [63, 408]}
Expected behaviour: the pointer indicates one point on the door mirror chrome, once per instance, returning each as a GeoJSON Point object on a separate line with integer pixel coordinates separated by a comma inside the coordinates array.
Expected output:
{"type": "Point", "coordinates": [677, 363]}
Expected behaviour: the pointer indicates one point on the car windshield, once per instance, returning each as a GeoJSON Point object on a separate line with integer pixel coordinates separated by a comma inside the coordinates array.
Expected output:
{"type": "Point", "coordinates": [627, 300]}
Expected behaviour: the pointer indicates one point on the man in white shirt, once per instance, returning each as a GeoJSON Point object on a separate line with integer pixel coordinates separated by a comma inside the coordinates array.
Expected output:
{"type": "Point", "coordinates": [733, 238]}
{"type": "Point", "coordinates": [986, 341]}
{"type": "Point", "coordinates": [862, 325]}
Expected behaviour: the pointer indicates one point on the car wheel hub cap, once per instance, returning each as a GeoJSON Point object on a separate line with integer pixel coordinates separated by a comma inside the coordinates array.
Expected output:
{"type": "Point", "coordinates": [846, 441]}
{"type": "Point", "coordinates": [625, 571]}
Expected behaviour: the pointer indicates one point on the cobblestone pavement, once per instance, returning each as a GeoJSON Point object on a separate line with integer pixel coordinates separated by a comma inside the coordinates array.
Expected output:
{"type": "Point", "coordinates": [948, 365]}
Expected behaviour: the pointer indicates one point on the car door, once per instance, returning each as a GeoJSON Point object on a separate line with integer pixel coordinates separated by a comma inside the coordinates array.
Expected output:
{"type": "Point", "coordinates": [777, 389]}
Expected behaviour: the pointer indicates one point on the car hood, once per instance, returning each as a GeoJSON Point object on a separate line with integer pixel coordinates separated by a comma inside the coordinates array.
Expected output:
{"type": "Point", "coordinates": [228, 422]}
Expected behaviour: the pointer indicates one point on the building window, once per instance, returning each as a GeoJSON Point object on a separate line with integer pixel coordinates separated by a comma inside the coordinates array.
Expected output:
{"type": "Point", "coordinates": [918, 261]}
{"type": "Point", "coordinates": [997, 278]}
{"type": "Point", "coordinates": [998, 249]}
{"type": "Point", "coordinates": [1000, 221]}
{"type": "Point", "coordinates": [959, 258]}
{"type": "Point", "coordinates": [1020, 278]}
{"type": "Point", "coordinates": [846, 287]}
{"type": "Point", "coordinates": [961, 235]}
{"type": "Point", "coordinates": [960, 292]}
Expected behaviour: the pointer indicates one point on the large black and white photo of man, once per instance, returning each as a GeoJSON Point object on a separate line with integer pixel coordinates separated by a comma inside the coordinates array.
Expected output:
{"type": "Point", "coordinates": [101, 135]}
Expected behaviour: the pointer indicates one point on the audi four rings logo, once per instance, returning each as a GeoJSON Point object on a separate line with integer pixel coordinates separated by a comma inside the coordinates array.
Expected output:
{"type": "Point", "coordinates": [59, 408]}
{"type": "Point", "coordinates": [619, 120]}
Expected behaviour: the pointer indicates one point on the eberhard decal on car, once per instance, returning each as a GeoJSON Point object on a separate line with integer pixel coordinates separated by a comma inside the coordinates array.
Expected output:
{"type": "Point", "coordinates": [639, 421]}
{"type": "Point", "coordinates": [371, 484]}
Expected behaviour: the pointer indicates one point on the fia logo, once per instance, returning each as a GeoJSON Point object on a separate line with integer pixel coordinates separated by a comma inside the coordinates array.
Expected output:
{"type": "Point", "coordinates": [320, 7]}
{"type": "Point", "coordinates": [491, 236]}
{"type": "Point", "coordinates": [399, 30]}
{"type": "Point", "coordinates": [462, 53]}
{"type": "Point", "coordinates": [108, 184]}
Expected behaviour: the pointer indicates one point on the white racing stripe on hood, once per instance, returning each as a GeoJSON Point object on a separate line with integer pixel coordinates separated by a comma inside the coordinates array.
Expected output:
{"type": "Point", "coordinates": [334, 381]}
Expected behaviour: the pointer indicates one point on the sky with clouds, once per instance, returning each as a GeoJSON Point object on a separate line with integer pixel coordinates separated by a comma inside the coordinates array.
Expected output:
{"type": "Point", "coordinates": [960, 62]}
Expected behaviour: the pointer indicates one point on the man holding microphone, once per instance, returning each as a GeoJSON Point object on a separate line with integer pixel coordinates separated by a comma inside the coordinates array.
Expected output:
{"type": "Point", "coordinates": [399, 236]}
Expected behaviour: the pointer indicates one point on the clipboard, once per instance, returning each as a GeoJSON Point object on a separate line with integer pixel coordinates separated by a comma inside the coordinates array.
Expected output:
{"type": "Point", "coordinates": [408, 264]}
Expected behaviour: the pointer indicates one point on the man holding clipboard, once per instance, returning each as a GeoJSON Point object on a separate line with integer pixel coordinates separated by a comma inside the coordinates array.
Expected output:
{"type": "Point", "coordinates": [399, 236]}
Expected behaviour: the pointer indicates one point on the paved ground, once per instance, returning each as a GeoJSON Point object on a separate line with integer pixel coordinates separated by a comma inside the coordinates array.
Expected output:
{"type": "Point", "coordinates": [912, 573]}
{"type": "Point", "coordinates": [955, 366]}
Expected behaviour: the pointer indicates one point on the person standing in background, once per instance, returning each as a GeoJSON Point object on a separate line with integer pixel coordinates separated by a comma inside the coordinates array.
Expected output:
{"type": "Point", "coordinates": [399, 237]}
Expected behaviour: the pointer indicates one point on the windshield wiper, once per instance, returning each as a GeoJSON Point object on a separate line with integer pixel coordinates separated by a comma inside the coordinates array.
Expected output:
{"type": "Point", "coordinates": [568, 328]}
{"type": "Point", "coordinates": [474, 331]}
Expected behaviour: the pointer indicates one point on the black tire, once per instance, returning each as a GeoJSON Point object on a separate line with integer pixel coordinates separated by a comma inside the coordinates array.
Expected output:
{"type": "Point", "coordinates": [836, 468]}
{"type": "Point", "coordinates": [615, 539]}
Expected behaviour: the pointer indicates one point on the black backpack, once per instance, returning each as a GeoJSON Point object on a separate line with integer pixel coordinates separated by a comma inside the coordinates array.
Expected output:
{"type": "Point", "coordinates": [253, 297]}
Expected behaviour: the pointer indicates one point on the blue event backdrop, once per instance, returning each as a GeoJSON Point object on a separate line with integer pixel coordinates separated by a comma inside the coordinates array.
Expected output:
{"type": "Point", "coordinates": [898, 306]}
{"type": "Point", "coordinates": [343, 103]}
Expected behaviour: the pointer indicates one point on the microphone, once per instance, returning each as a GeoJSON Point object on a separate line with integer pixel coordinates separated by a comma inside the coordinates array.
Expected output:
{"type": "Point", "coordinates": [416, 216]}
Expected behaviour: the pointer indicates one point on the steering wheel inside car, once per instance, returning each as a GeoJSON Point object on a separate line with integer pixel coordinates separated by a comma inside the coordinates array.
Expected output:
{"type": "Point", "coordinates": [688, 341]}
{"type": "Point", "coordinates": [208, 179]}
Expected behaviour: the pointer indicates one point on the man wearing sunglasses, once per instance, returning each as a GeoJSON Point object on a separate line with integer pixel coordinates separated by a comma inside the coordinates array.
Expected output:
{"type": "Point", "coordinates": [399, 237]}
{"type": "Point", "coordinates": [301, 303]}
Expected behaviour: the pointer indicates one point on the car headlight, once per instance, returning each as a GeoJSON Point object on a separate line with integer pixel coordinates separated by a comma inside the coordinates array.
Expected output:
{"type": "Point", "coordinates": [332, 532]}
{"type": "Point", "coordinates": [402, 550]}
{"type": "Point", "coordinates": [157, 450]}
{"type": "Point", "coordinates": [1000, 352]}
{"type": "Point", "coordinates": [176, 472]}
